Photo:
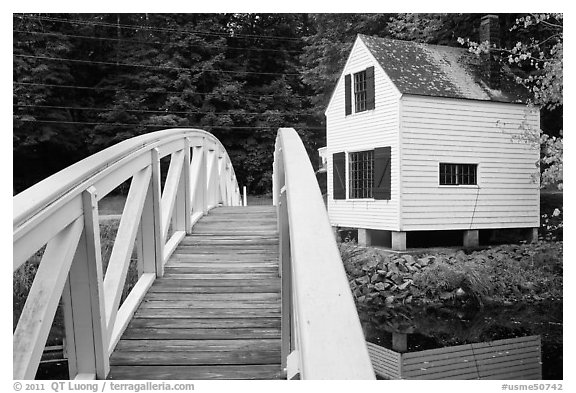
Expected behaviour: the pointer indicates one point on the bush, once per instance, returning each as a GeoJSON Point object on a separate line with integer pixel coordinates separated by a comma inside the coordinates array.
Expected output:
{"type": "Point", "coordinates": [449, 281]}
{"type": "Point", "coordinates": [502, 274]}
{"type": "Point", "coordinates": [23, 277]}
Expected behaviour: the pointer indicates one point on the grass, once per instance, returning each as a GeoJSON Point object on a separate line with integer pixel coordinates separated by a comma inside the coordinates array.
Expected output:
{"type": "Point", "coordinates": [502, 274]}
{"type": "Point", "coordinates": [112, 204]}
{"type": "Point", "coordinates": [24, 277]}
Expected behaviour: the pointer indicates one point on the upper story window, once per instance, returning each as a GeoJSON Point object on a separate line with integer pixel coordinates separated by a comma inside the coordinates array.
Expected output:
{"type": "Point", "coordinates": [458, 174]}
{"type": "Point", "coordinates": [360, 91]}
{"type": "Point", "coordinates": [363, 90]}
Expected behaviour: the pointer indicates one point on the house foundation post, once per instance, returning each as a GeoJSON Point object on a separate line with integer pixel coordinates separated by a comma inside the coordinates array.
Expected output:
{"type": "Point", "coordinates": [399, 342]}
{"type": "Point", "coordinates": [533, 235]}
{"type": "Point", "coordinates": [364, 237]}
{"type": "Point", "coordinates": [471, 238]}
{"type": "Point", "coordinates": [399, 241]}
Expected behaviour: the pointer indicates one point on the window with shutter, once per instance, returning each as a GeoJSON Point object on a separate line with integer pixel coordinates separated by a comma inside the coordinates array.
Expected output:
{"type": "Point", "coordinates": [361, 174]}
{"type": "Point", "coordinates": [382, 173]}
{"type": "Point", "coordinates": [364, 90]}
{"type": "Point", "coordinates": [339, 175]}
{"type": "Point", "coordinates": [348, 94]}
{"type": "Point", "coordinates": [370, 98]}
{"type": "Point", "coordinates": [360, 91]}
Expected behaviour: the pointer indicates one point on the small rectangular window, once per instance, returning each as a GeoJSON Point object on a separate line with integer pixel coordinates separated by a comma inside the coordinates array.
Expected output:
{"type": "Point", "coordinates": [361, 174]}
{"type": "Point", "coordinates": [458, 174]}
{"type": "Point", "coordinates": [360, 91]}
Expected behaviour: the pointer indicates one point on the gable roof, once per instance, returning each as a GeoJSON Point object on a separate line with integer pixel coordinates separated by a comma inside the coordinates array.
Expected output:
{"type": "Point", "coordinates": [441, 71]}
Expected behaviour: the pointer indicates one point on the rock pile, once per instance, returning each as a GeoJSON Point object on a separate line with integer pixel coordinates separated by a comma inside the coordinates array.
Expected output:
{"type": "Point", "coordinates": [386, 278]}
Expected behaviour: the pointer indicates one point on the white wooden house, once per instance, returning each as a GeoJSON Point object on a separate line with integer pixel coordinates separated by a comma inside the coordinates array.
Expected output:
{"type": "Point", "coordinates": [424, 138]}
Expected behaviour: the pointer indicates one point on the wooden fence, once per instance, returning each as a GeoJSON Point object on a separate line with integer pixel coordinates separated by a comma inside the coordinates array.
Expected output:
{"type": "Point", "coordinates": [514, 358]}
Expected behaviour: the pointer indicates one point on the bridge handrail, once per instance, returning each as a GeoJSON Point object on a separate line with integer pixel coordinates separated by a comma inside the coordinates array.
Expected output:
{"type": "Point", "coordinates": [321, 333]}
{"type": "Point", "coordinates": [45, 192]}
{"type": "Point", "coordinates": [61, 213]}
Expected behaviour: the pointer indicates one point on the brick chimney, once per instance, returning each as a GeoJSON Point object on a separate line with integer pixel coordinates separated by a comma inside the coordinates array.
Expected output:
{"type": "Point", "coordinates": [490, 31]}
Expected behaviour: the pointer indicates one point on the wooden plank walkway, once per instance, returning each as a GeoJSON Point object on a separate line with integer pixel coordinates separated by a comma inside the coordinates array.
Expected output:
{"type": "Point", "coordinates": [216, 312]}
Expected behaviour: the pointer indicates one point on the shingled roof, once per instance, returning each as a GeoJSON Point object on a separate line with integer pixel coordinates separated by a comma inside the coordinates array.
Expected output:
{"type": "Point", "coordinates": [441, 71]}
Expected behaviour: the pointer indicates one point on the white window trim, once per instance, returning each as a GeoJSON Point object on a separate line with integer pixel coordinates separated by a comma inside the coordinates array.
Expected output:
{"type": "Point", "coordinates": [473, 186]}
{"type": "Point", "coordinates": [347, 155]}
{"type": "Point", "coordinates": [353, 92]}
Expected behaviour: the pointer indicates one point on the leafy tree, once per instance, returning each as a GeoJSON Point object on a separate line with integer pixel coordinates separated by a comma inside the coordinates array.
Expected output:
{"type": "Point", "coordinates": [538, 51]}
{"type": "Point", "coordinates": [121, 75]}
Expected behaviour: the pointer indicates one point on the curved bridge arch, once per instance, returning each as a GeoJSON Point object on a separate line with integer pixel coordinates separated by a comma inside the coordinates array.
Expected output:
{"type": "Point", "coordinates": [61, 213]}
{"type": "Point", "coordinates": [316, 331]}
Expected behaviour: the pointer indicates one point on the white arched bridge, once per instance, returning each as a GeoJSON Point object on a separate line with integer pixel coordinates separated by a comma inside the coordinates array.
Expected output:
{"type": "Point", "coordinates": [224, 291]}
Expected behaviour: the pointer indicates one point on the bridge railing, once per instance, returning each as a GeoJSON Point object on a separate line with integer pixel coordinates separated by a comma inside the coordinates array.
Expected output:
{"type": "Point", "coordinates": [321, 333]}
{"type": "Point", "coordinates": [61, 213]}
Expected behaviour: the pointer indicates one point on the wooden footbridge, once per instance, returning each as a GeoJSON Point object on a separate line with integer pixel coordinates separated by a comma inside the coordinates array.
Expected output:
{"type": "Point", "coordinates": [224, 291]}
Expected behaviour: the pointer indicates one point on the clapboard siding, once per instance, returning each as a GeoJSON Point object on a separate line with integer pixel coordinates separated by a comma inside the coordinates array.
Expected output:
{"type": "Point", "coordinates": [515, 358]}
{"type": "Point", "coordinates": [364, 131]}
{"type": "Point", "coordinates": [386, 362]}
{"type": "Point", "coordinates": [435, 130]}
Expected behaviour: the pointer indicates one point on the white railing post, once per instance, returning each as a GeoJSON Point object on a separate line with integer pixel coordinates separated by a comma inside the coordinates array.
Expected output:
{"type": "Point", "coordinates": [187, 188]}
{"type": "Point", "coordinates": [83, 300]}
{"type": "Point", "coordinates": [244, 197]}
{"type": "Point", "coordinates": [150, 243]}
{"type": "Point", "coordinates": [275, 191]}
{"type": "Point", "coordinates": [179, 213]}
{"type": "Point", "coordinates": [159, 240]}
{"type": "Point", "coordinates": [285, 274]}
{"type": "Point", "coordinates": [198, 179]}
{"type": "Point", "coordinates": [212, 177]}
{"type": "Point", "coordinates": [229, 181]}
{"type": "Point", "coordinates": [221, 177]}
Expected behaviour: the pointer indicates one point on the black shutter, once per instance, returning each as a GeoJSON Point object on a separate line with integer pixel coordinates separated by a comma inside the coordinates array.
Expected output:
{"type": "Point", "coordinates": [339, 175]}
{"type": "Point", "coordinates": [382, 173]}
{"type": "Point", "coordinates": [348, 94]}
{"type": "Point", "coordinates": [370, 99]}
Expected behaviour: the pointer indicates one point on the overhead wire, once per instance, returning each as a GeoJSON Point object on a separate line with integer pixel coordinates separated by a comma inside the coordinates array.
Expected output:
{"type": "Point", "coordinates": [162, 111]}
{"type": "Point", "coordinates": [156, 125]}
{"type": "Point", "coordinates": [138, 27]}
{"type": "Point", "coordinates": [163, 29]}
{"type": "Point", "coordinates": [58, 34]}
{"type": "Point", "coordinates": [168, 68]}
{"type": "Point", "coordinates": [154, 92]}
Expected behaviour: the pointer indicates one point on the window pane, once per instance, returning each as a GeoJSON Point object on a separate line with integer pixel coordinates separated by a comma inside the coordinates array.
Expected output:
{"type": "Point", "coordinates": [458, 174]}
{"type": "Point", "coordinates": [361, 174]}
{"type": "Point", "coordinates": [360, 93]}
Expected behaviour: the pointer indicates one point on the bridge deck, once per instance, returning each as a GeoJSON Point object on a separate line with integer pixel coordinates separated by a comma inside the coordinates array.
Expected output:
{"type": "Point", "coordinates": [216, 312]}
